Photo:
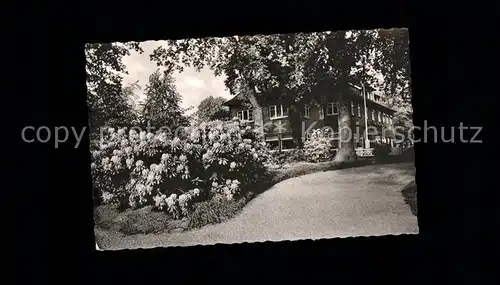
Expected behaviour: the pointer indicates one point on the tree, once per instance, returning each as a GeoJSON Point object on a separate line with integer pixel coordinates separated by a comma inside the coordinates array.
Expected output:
{"type": "Point", "coordinates": [211, 108]}
{"type": "Point", "coordinates": [106, 99]}
{"type": "Point", "coordinates": [296, 68]}
{"type": "Point", "coordinates": [393, 61]}
{"type": "Point", "coordinates": [161, 107]}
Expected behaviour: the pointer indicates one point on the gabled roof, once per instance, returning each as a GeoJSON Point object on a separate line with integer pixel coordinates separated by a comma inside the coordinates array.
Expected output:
{"type": "Point", "coordinates": [235, 101]}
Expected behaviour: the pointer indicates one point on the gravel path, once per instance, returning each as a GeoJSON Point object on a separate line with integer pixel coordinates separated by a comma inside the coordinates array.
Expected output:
{"type": "Point", "coordinates": [363, 201]}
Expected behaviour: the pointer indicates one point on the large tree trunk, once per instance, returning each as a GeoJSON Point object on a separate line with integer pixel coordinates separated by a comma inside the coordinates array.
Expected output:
{"type": "Point", "coordinates": [258, 115]}
{"type": "Point", "coordinates": [295, 121]}
{"type": "Point", "coordinates": [346, 152]}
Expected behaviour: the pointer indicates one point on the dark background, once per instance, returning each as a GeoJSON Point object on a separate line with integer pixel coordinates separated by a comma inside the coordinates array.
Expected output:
{"type": "Point", "coordinates": [53, 234]}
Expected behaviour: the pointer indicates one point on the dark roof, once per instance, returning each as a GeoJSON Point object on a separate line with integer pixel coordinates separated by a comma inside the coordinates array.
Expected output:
{"type": "Point", "coordinates": [236, 100]}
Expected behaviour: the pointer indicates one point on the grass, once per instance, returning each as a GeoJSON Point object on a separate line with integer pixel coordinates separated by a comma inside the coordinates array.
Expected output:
{"type": "Point", "coordinates": [147, 221]}
{"type": "Point", "coordinates": [138, 221]}
{"type": "Point", "coordinates": [410, 196]}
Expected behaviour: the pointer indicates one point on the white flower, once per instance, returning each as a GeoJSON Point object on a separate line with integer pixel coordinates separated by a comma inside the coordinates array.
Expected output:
{"type": "Point", "coordinates": [182, 158]}
{"type": "Point", "coordinates": [142, 135]}
{"type": "Point", "coordinates": [195, 135]}
{"type": "Point", "coordinates": [165, 156]}
{"type": "Point", "coordinates": [232, 165]}
{"type": "Point", "coordinates": [121, 132]}
{"type": "Point", "coordinates": [128, 150]}
{"type": "Point", "coordinates": [150, 136]}
{"type": "Point", "coordinates": [139, 163]}
{"type": "Point", "coordinates": [233, 186]}
{"type": "Point", "coordinates": [196, 191]}
{"type": "Point", "coordinates": [176, 141]}
{"type": "Point", "coordinates": [111, 130]}
{"type": "Point", "coordinates": [115, 159]}
{"type": "Point", "coordinates": [129, 162]}
{"type": "Point", "coordinates": [215, 184]}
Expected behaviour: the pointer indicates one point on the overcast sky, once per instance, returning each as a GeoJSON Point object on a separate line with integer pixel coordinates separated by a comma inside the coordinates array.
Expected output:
{"type": "Point", "coordinates": [192, 85]}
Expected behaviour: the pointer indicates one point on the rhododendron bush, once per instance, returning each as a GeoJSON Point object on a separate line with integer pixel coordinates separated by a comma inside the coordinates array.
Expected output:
{"type": "Point", "coordinates": [318, 146]}
{"type": "Point", "coordinates": [216, 160]}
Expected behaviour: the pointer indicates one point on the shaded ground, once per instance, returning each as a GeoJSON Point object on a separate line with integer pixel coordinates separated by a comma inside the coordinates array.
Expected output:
{"type": "Point", "coordinates": [410, 196]}
{"type": "Point", "coordinates": [361, 201]}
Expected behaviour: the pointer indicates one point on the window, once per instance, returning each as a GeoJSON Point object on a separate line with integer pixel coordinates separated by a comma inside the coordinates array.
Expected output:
{"type": "Point", "coordinates": [352, 108]}
{"type": "Point", "coordinates": [321, 112]}
{"type": "Point", "coordinates": [379, 116]}
{"type": "Point", "coordinates": [332, 109]}
{"type": "Point", "coordinates": [307, 111]}
{"type": "Point", "coordinates": [373, 115]}
{"type": "Point", "coordinates": [277, 111]}
{"type": "Point", "coordinates": [245, 115]}
{"type": "Point", "coordinates": [359, 110]}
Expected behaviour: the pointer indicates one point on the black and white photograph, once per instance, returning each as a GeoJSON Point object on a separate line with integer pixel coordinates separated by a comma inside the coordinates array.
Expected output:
{"type": "Point", "coordinates": [251, 138]}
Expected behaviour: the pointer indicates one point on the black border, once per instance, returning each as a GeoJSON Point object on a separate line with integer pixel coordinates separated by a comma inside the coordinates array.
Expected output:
{"type": "Point", "coordinates": [57, 237]}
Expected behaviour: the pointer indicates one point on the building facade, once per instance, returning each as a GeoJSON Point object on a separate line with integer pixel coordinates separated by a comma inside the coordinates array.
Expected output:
{"type": "Point", "coordinates": [277, 129]}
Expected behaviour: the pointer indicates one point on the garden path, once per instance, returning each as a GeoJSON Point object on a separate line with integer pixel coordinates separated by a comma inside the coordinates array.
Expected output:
{"type": "Point", "coordinates": [362, 201]}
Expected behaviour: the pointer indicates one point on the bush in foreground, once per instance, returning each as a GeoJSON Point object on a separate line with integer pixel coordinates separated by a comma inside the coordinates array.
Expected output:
{"type": "Point", "coordinates": [214, 160]}
{"type": "Point", "coordinates": [215, 211]}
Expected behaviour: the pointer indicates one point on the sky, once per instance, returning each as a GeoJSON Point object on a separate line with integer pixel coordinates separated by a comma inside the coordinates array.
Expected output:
{"type": "Point", "coordinates": [193, 86]}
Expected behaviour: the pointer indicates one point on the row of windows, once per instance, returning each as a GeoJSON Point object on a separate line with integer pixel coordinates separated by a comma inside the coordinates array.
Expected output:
{"type": "Point", "coordinates": [278, 111]}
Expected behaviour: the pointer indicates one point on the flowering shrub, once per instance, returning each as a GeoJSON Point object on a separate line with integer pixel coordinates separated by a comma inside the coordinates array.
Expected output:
{"type": "Point", "coordinates": [212, 160]}
{"type": "Point", "coordinates": [318, 146]}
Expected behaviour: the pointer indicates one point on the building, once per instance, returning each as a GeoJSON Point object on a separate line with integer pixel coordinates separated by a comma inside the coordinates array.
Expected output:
{"type": "Point", "coordinates": [279, 134]}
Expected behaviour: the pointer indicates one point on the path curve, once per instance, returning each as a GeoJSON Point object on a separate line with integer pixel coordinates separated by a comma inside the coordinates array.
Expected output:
{"type": "Point", "coordinates": [363, 201]}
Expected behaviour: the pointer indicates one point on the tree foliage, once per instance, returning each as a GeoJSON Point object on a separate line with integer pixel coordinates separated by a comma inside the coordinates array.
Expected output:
{"type": "Point", "coordinates": [161, 107]}
{"type": "Point", "coordinates": [106, 99]}
{"type": "Point", "coordinates": [296, 68]}
{"type": "Point", "coordinates": [211, 108]}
